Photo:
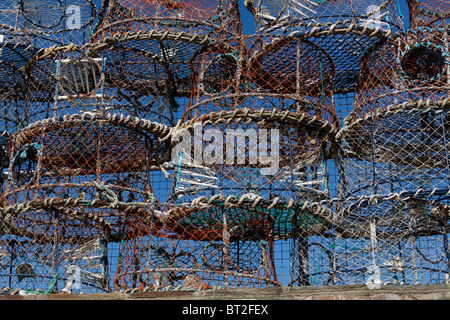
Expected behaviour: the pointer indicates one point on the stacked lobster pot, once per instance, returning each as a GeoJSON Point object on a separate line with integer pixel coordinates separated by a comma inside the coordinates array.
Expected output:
{"type": "Point", "coordinates": [150, 145]}
{"type": "Point", "coordinates": [81, 156]}
{"type": "Point", "coordinates": [391, 215]}
{"type": "Point", "coordinates": [26, 27]}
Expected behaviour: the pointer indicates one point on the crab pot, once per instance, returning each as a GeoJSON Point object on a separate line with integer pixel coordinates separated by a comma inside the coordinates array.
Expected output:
{"type": "Point", "coordinates": [343, 29]}
{"type": "Point", "coordinates": [251, 154]}
{"type": "Point", "coordinates": [210, 18]}
{"type": "Point", "coordinates": [51, 249]}
{"type": "Point", "coordinates": [279, 68]}
{"type": "Point", "coordinates": [390, 216]}
{"type": "Point", "coordinates": [99, 164]}
{"type": "Point", "coordinates": [198, 248]}
{"type": "Point", "coordinates": [395, 139]}
{"type": "Point", "coordinates": [286, 74]}
{"type": "Point", "coordinates": [402, 151]}
{"type": "Point", "coordinates": [378, 240]}
{"type": "Point", "coordinates": [151, 71]}
{"type": "Point", "coordinates": [71, 79]}
{"type": "Point", "coordinates": [408, 69]}
{"type": "Point", "coordinates": [264, 95]}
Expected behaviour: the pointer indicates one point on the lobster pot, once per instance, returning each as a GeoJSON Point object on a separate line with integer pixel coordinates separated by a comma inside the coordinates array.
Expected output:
{"type": "Point", "coordinates": [149, 46]}
{"type": "Point", "coordinates": [71, 79]}
{"type": "Point", "coordinates": [302, 15]}
{"type": "Point", "coordinates": [402, 151]}
{"type": "Point", "coordinates": [251, 154]}
{"type": "Point", "coordinates": [98, 164]}
{"type": "Point", "coordinates": [198, 248]}
{"type": "Point", "coordinates": [408, 69]}
{"type": "Point", "coordinates": [211, 18]}
{"type": "Point", "coordinates": [51, 249]}
{"type": "Point", "coordinates": [343, 29]}
{"type": "Point", "coordinates": [46, 23]}
{"type": "Point", "coordinates": [379, 240]}
{"type": "Point", "coordinates": [429, 13]}
{"type": "Point", "coordinates": [395, 140]}
{"type": "Point", "coordinates": [267, 157]}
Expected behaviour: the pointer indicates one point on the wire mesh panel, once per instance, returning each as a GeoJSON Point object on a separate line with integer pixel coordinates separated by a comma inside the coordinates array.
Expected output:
{"type": "Point", "coordinates": [429, 13]}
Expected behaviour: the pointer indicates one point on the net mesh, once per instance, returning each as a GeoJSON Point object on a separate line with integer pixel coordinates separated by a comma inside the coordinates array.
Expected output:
{"type": "Point", "coordinates": [151, 145]}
